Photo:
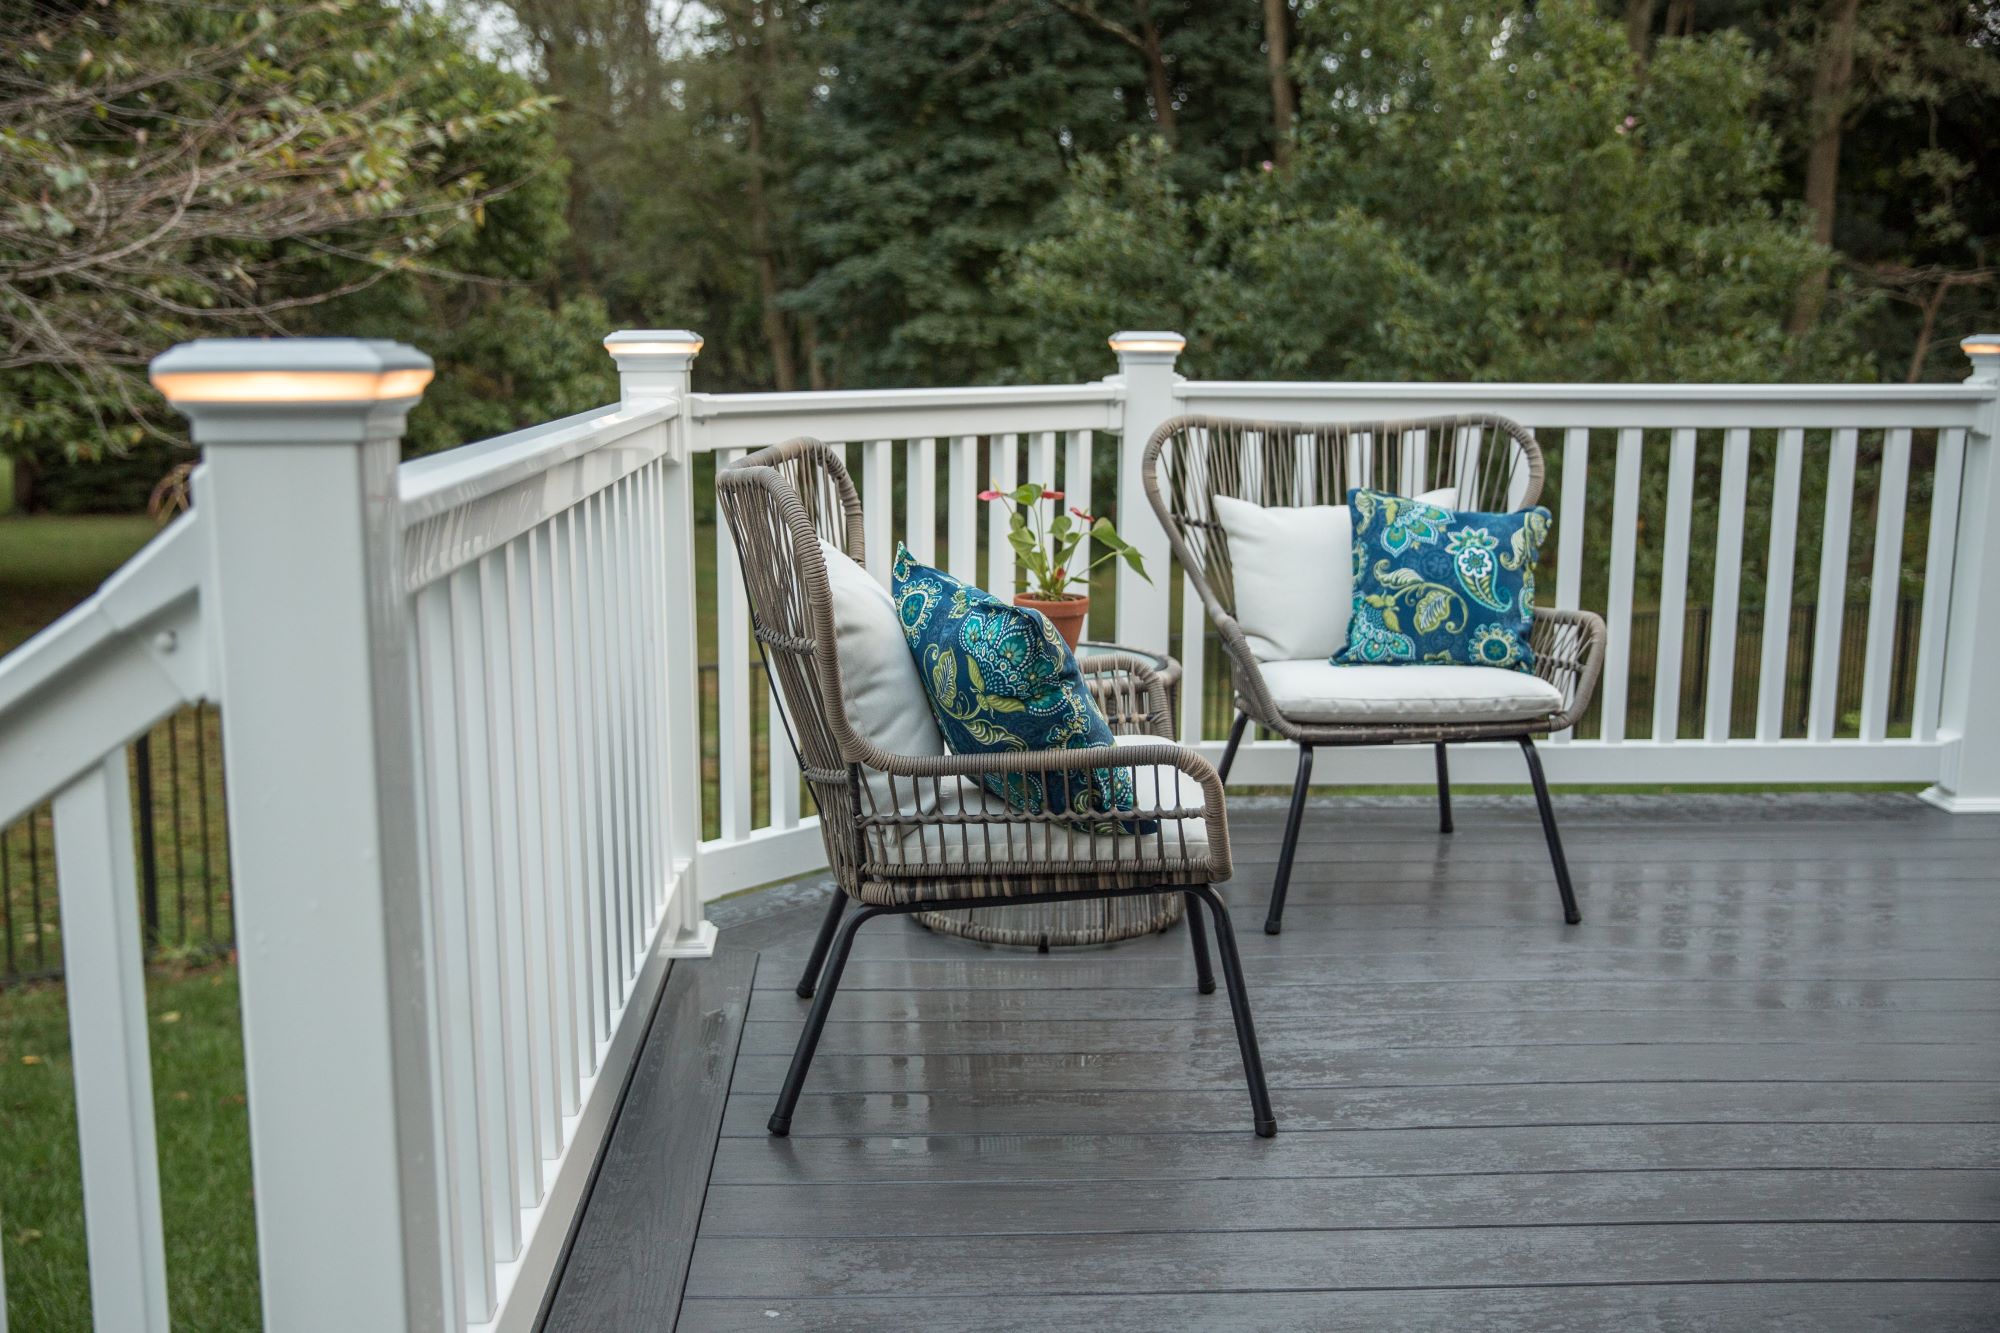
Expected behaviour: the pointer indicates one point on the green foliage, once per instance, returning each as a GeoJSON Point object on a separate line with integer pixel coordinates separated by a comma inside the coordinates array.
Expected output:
{"type": "Point", "coordinates": [176, 170]}
{"type": "Point", "coordinates": [947, 137]}
{"type": "Point", "coordinates": [1492, 197]}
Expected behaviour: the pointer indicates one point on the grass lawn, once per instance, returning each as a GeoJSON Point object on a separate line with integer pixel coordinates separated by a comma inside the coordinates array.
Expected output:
{"type": "Point", "coordinates": [204, 1157]}
{"type": "Point", "coordinates": [49, 563]}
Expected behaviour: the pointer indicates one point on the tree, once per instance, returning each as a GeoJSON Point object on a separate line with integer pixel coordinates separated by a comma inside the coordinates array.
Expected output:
{"type": "Point", "coordinates": [1880, 111]}
{"type": "Point", "coordinates": [175, 169]}
{"type": "Point", "coordinates": [947, 135]}
{"type": "Point", "coordinates": [1494, 197]}
{"type": "Point", "coordinates": [1833, 71]}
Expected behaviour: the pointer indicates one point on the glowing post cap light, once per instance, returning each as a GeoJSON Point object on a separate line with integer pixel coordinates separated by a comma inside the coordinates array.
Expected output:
{"type": "Point", "coordinates": [1148, 340]}
{"type": "Point", "coordinates": [653, 342]}
{"type": "Point", "coordinates": [278, 371]}
{"type": "Point", "coordinates": [1981, 344]}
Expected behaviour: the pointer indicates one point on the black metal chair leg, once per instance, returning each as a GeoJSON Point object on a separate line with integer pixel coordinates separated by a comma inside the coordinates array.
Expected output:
{"type": "Point", "coordinates": [1239, 1009]}
{"type": "Point", "coordinates": [1235, 739]}
{"type": "Point", "coordinates": [1198, 936]}
{"type": "Point", "coordinates": [817, 959]}
{"type": "Point", "coordinates": [795, 1077]}
{"type": "Point", "coordinates": [1570, 914]}
{"type": "Point", "coordinates": [1444, 791]}
{"type": "Point", "coordinates": [1274, 917]}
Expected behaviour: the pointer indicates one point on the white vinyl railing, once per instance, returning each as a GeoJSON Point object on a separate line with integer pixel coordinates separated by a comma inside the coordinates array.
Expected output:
{"type": "Point", "coordinates": [464, 728]}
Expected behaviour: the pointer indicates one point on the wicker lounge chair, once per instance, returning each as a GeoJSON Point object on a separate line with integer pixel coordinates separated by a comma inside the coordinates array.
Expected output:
{"type": "Point", "coordinates": [1489, 462]}
{"type": "Point", "coordinates": [916, 833]}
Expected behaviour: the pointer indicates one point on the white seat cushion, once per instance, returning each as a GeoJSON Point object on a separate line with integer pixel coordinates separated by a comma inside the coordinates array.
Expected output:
{"type": "Point", "coordinates": [1318, 691]}
{"type": "Point", "coordinates": [884, 696]}
{"type": "Point", "coordinates": [1293, 570]}
{"type": "Point", "coordinates": [1156, 787]}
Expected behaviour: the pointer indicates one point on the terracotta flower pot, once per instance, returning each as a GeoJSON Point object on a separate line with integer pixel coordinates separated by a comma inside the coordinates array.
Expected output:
{"type": "Point", "coordinates": [1067, 612]}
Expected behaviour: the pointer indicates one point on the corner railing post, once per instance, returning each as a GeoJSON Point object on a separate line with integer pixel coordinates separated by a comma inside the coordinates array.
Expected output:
{"type": "Point", "coordinates": [1146, 369]}
{"type": "Point", "coordinates": [1969, 710]}
{"type": "Point", "coordinates": [298, 492]}
{"type": "Point", "coordinates": [658, 364]}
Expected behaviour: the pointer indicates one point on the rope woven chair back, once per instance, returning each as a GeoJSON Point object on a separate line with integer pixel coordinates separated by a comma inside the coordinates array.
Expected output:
{"type": "Point", "coordinates": [1492, 464]}
{"type": "Point", "coordinates": [780, 503]}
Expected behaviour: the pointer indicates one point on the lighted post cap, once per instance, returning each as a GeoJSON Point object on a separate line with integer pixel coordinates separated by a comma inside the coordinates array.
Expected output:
{"type": "Point", "coordinates": [1983, 350]}
{"type": "Point", "coordinates": [653, 342]}
{"type": "Point", "coordinates": [1158, 341]}
{"type": "Point", "coordinates": [290, 371]}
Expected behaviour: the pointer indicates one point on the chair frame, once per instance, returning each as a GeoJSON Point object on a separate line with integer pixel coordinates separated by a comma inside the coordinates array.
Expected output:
{"type": "Point", "coordinates": [1191, 459]}
{"type": "Point", "coordinates": [780, 504]}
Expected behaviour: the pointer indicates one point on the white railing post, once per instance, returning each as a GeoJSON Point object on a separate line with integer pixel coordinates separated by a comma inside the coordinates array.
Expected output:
{"type": "Point", "coordinates": [299, 493]}
{"type": "Point", "coordinates": [1146, 369]}
{"type": "Point", "coordinates": [657, 364]}
{"type": "Point", "coordinates": [1969, 713]}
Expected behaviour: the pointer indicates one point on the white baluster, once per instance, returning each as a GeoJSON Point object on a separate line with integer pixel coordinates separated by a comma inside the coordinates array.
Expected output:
{"type": "Point", "coordinates": [1004, 470]}
{"type": "Point", "coordinates": [1778, 586]}
{"type": "Point", "coordinates": [582, 695]}
{"type": "Point", "coordinates": [1728, 585]}
{"type": "Point", "coordinates": [920, 491]}
{"type": "Point", "coordinates": [1569, 528]}
{"type": "Point", "coordinates": [451, 932]}
{"type": "Point", "coordinates": [878, 506]}
{"type": "Point", "coordinates": [507, 900]}
{"type": "Point", "coordinates": [537, 939]}
{"type": "Point", "coordinates": [1823, 701]}
{"type": "Point", "coordinates": [491, 1041]}
{"type": "Point", "coordinates": [1194, 667]}
{"type": "Point", "coordinates": [1885, 585]}
{"type": "Point", "coordinates": [1624, 543]}
{"type": "Point", "coordinates": [1946, 480]}
{"type": "Point", "coordinates": [106, 986]}
{"type": "Point", "coordinates": [1673, 587]}
{"type": "Point", "coordinates": [732, 618]}
{"type": "Point", "coordinates": [962, 508]}
{"type": "Point", "coordinates": [560, 880]}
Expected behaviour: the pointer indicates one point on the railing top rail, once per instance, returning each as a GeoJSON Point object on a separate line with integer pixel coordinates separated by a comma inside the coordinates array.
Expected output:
{"type": "Point", "coordinates": [1663, 405]}
{"type": "Point", "coordinates": [128, 655]}
{"type": "Point", "coordinates": [440, 483]}
{"type": "Point", "coordinates": [736, 420]}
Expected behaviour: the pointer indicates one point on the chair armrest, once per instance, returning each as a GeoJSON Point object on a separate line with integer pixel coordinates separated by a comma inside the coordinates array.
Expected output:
{"type": "Point", "coordinates": [927, 788]}
{"type": "Point", "coordinates": [1130, 693]}
{"type": "Point", "coordinates": [1569, 654]}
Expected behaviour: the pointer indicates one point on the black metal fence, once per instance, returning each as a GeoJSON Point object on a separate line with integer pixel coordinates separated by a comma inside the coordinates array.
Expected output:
{"type": "Point", "coordinates": [181, 853]}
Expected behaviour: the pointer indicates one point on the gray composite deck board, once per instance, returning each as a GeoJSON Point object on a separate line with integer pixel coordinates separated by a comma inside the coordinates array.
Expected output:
{"type": "Point", "coordinates": [1759, 1086]}
{"type": "Point", "coordinates": [628, 1260]}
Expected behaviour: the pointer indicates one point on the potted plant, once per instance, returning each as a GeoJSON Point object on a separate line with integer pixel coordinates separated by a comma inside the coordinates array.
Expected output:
{"type": "Point", "coordinates": [1046, 543]}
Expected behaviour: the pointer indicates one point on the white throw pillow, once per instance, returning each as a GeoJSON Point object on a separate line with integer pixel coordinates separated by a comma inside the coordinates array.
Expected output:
{"type": "Point", "coordinates": [1294, 573]}
{"type": "Point", "coordinates": [884, 695]}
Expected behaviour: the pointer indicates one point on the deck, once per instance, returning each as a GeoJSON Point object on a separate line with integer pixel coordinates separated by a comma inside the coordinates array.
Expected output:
{"type": "Point", "coordinates": [1760, 1085]}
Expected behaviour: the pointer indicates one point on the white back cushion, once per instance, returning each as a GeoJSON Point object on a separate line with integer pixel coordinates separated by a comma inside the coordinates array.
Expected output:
{"type": "Point", "coordinates": [879, 683]}
{"type": "Point", "coordinates": [1294, 570]}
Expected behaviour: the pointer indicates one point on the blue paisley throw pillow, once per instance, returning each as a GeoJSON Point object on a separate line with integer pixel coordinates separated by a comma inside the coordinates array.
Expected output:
{"type": "Point", "coordinates": [1001, 679]}
{"type": "Point", "coordinates": [1442, 585]}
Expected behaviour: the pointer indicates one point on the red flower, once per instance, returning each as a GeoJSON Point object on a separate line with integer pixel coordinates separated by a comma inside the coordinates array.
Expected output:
{"type": "Point", "coordinates": [989, 495]}
{"type": "Point", "coordinates": [1088, 518]}
{"type": "Point", "coordinates": [1052, 495]}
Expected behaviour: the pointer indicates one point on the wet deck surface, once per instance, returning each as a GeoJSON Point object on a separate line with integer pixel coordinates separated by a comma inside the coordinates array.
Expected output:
{"type": "Point", "coordinates": [1758, 1086]}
